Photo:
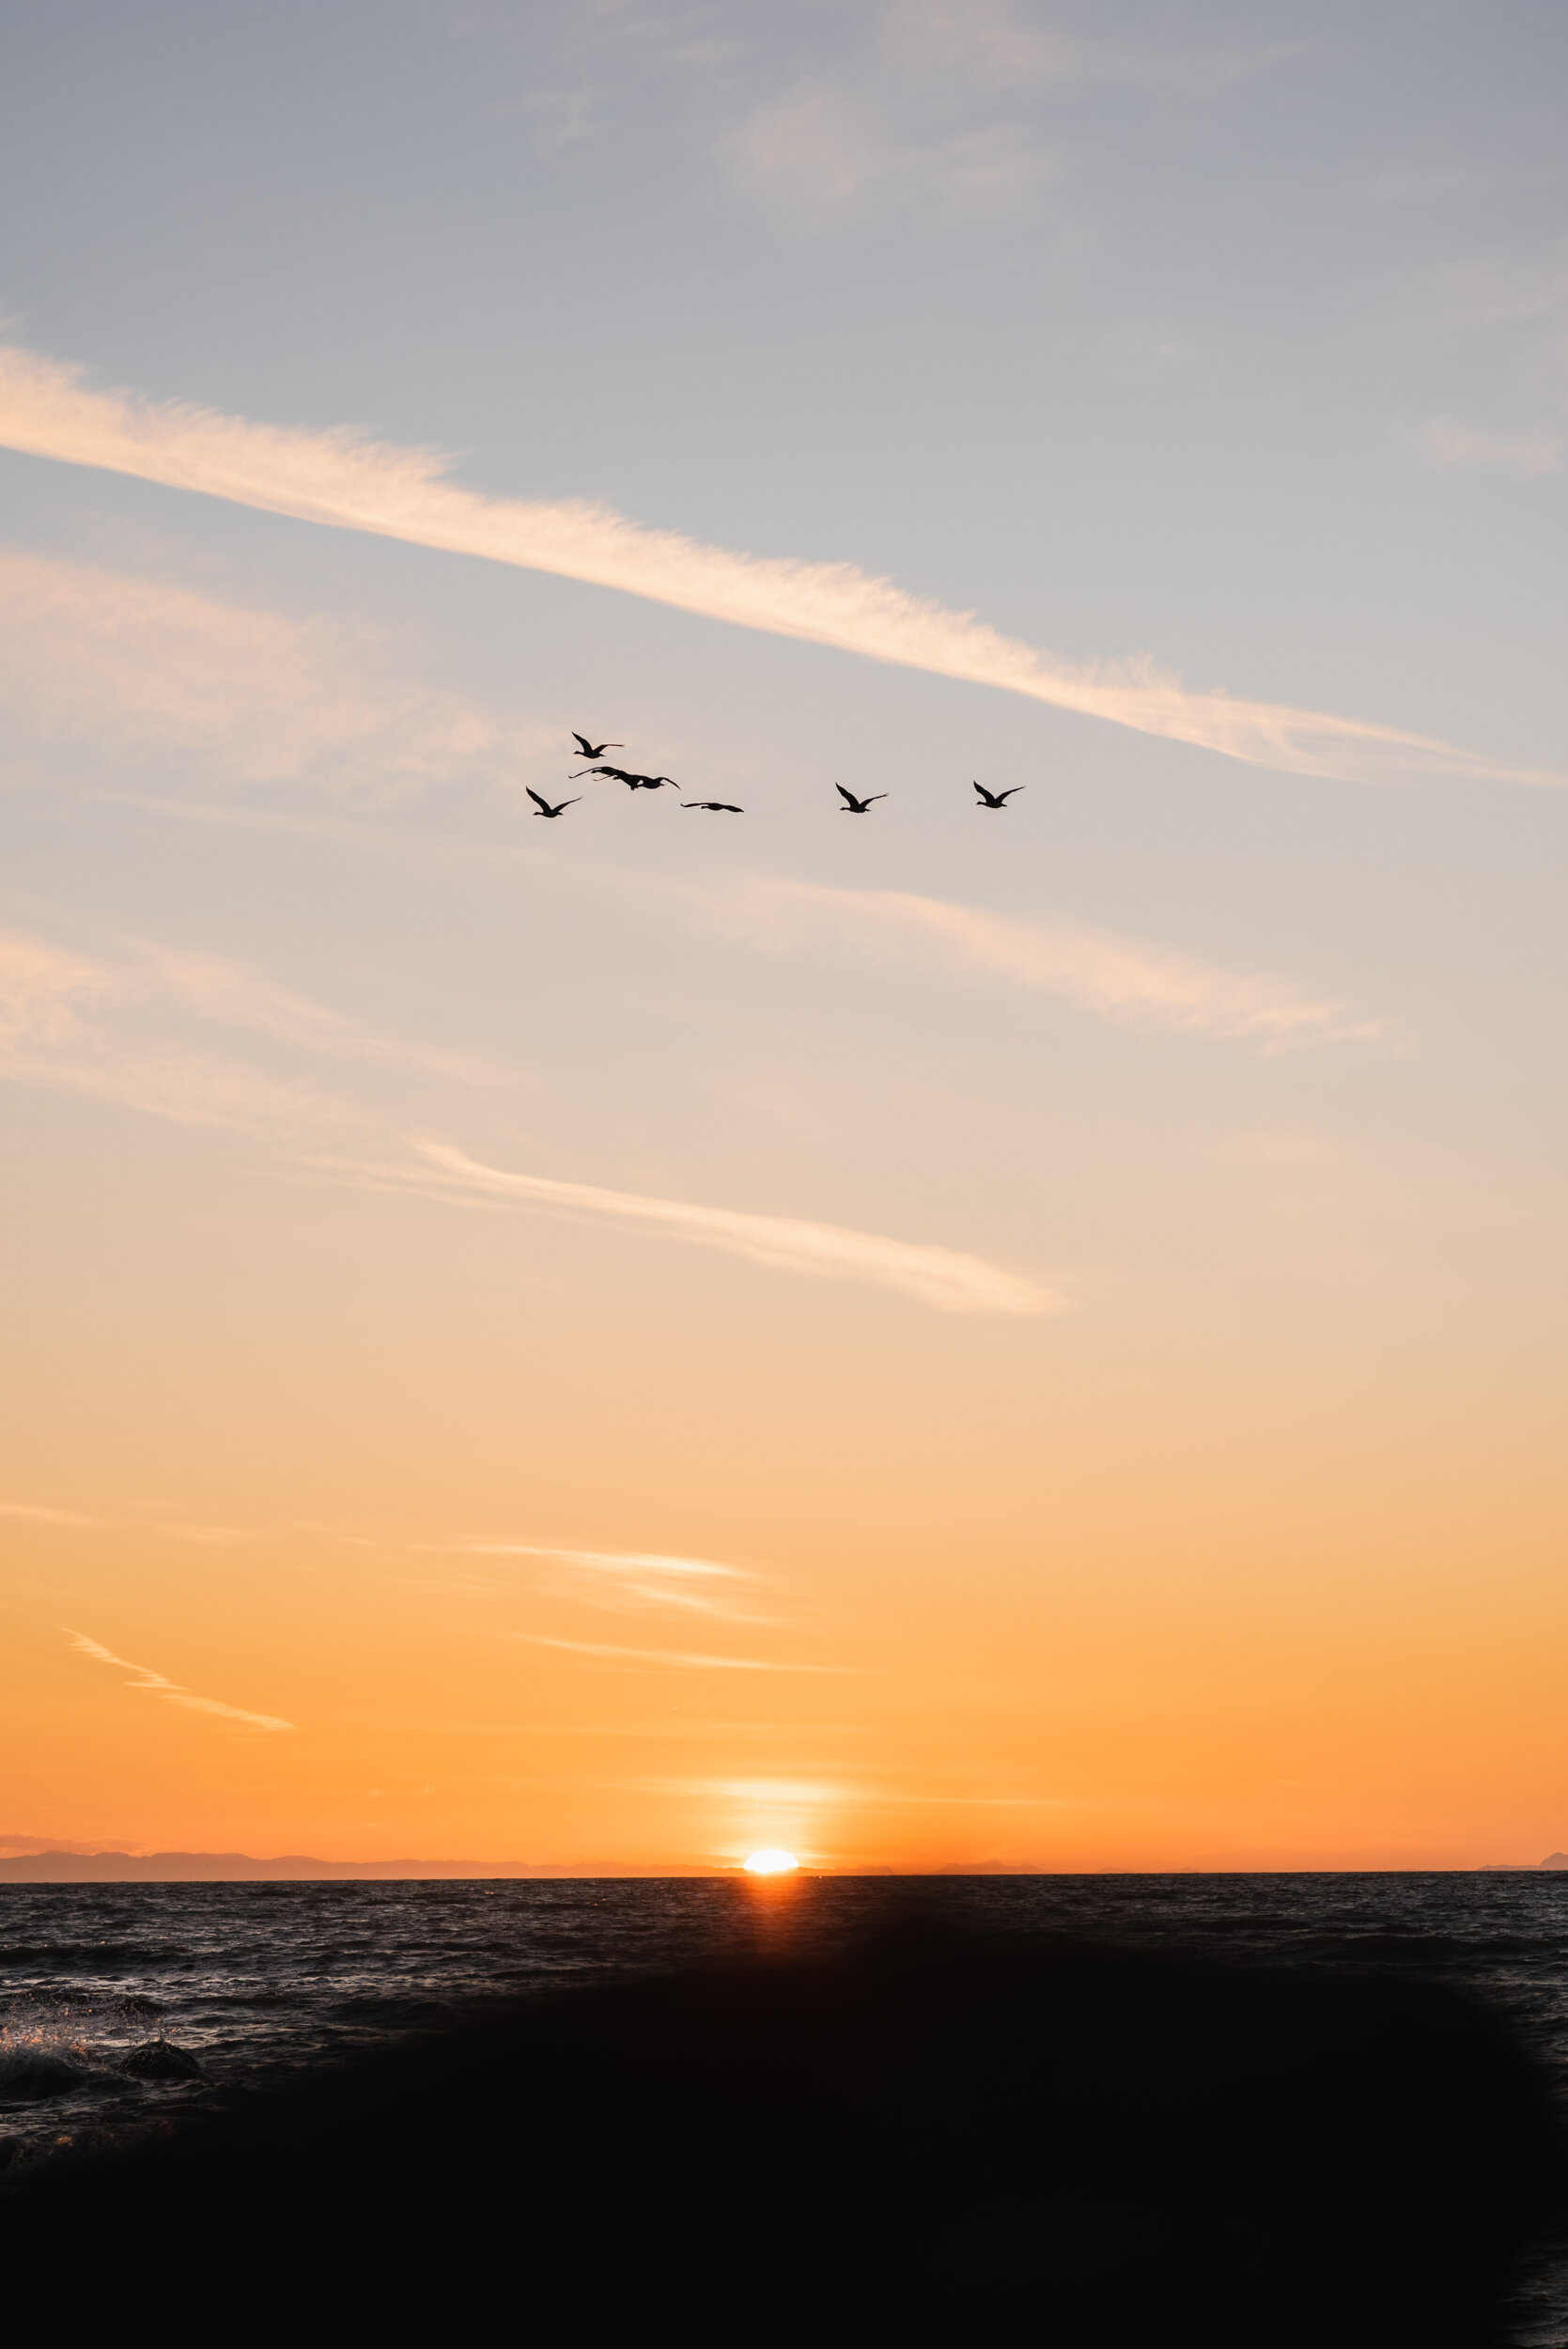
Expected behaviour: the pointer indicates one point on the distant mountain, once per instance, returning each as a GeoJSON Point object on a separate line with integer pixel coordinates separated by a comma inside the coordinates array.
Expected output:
{"type": "Point", "coordinates": [228, 1867]}
{"type": "Point", "coordinates": [1556, 1859]}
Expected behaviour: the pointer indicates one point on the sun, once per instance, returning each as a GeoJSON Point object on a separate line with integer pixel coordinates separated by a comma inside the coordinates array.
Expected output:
{"type": "Point", "coordinates": [771, 1864]}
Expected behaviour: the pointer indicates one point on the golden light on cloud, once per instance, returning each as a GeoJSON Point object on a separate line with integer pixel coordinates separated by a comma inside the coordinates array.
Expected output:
{"type": "Point", "coordinates": [771, 1864]}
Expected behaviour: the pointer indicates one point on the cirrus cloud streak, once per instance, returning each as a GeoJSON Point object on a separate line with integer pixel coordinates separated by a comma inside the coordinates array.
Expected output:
{"type": "Point", "coordinates": [171, 1690]}
{"type": "Point", "coordinates": [344, 480]}
{"type": "Point", "coordinates": [676, 1660]}
{"type": "Point", "coordinates": [1125, 978]}
{"type": "Point", "coordinates": [941, 1277]}
{"type": "Point", "coordinates": [149, 669]}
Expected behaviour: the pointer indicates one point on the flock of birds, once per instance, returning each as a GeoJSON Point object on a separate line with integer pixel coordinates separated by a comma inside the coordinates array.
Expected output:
{"type": "Point", "coordinates": [594, 752]}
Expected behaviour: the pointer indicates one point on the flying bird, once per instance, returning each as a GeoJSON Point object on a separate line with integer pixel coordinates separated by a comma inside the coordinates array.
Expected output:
{"type": "Point", "coordinates": [593, 749]}
{"type": "Point", "coordinates": [719, 807]}
{"type": "Point", "coordinates": [998, 798]}
{"type": "Point", "coordinates": [853, 806]}
{"type": "Point", "coordinates": [632, 782]}
{"type": "Point", "coordinates": [542, 807]}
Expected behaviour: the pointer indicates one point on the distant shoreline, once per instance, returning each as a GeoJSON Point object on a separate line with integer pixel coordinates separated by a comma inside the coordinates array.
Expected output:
{"type": "Point", "coordinates": [182, 1867]}
{"type": "Point", "coordinates": [200, 1867]}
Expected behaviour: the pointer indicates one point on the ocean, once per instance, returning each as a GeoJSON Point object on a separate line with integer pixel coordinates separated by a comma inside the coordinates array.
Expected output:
{"type": "Point", "coordinates": [252, 1980]}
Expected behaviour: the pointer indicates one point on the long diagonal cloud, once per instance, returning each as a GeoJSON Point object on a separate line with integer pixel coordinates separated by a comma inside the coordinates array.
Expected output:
{"type": "Point", "coordinates": [349, 482]}
{"type": "Point", "coordinates": [158, 1686]}
{"type": "Point", "coordinates": [935, 1276]}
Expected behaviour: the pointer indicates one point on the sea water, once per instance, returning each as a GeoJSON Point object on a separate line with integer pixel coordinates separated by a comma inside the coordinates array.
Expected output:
{"type": "Point", "coordinates": [258, 1980]}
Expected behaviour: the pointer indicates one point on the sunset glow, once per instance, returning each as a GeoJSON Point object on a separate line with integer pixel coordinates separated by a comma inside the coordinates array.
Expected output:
{"type": "Point", "coordinates": [771, 1864]}
{"type": "Point", "coordinates": [959, 1267]}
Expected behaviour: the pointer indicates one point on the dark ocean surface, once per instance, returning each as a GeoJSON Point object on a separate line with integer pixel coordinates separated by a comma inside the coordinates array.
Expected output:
{"type": "Point", "coordinates": [254, 1979]}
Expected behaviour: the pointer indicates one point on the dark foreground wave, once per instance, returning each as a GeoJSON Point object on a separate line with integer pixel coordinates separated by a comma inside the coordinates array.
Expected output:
{"type": "Point", "coordinates": [915, 2129]}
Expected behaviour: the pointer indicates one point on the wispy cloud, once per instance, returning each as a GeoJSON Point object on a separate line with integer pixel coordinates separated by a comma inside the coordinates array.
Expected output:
{"type": "Point", "coordinates": [120, 1026]}
{"type": "Point", "coordinates": [213, 1536]}
{"type": "Point", "coordinates": [675, 1659]}
{"type": "Point", "coordinates": [1125, 978]}
{"type": "Point", "coordinates": [1002, 45]}
{"type": "Point", "coordinates": [172, 1690]}
{"type": "Point", "coordinates": [953, 106]}
{"type": "Point", "coordinates": [1521, 307]}
{"type": "Point", "coordinates": [145, 668]}
{"type": "Point", "coordinates": [341, 479]}
{"type": "Point", "coordinates": [56, 1030]}
{"type": "Point", "coordinates": [47, 1517]}
{"type": "Point", "coordinates": [1531, 449]}
{"type": "Point", "coordinates": [821, 153]}
{"type": "Point", "coordinates": [633, 1579]}
{"type": "Point", "coordinates": [229, 994]}
{"type": "Point", "coordinates": [769, 1791]}
{"type": "Point", "coordinates": [940, 1277]}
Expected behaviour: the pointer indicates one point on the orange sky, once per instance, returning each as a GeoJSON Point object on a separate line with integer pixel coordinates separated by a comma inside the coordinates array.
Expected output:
{"type": "Point", "coordinates": [946, 1337]}
{"type": "Point", "coordinates": [994, 1595]}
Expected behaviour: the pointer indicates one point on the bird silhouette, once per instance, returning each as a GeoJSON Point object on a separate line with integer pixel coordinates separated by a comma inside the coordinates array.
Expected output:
{"type": "Point", "coordinates": [853, 806]}
{"type": "Point", "coordinates": [719, 807]}
{"type": "Point", "coordinates": [998, 798]}
{"type": "Point", "coordinates": [542, 807]}
{"type": "Point", "coordinates": [621, 774]}
{"type": "Point", "coordinates": [593, 749]}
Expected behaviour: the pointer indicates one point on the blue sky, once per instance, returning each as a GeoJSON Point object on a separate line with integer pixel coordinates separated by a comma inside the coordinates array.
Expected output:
{"type": "Point", "coordinates": [1234, 335]}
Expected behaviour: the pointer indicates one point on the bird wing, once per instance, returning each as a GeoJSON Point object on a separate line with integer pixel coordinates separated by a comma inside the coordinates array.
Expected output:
{"type": "Point", "coordinates": [565, 804]}
{"type": "Point", "coordinates": [847, 796]}
{"type": "Point", "coordinates": [535, 797]}
{"type": "Point", "coordinates": [875, 795]}
{"type": "Point", "coordinates": [1018, 786]}
{"type": "Point", "coordinates": [584, 745]}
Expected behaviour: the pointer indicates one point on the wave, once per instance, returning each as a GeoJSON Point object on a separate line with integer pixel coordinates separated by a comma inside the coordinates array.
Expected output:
{"type": "Point", "coordinates": [926, 2136]}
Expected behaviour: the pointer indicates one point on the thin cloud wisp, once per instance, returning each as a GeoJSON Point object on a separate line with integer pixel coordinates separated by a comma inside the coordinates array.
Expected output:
{"type": "Point", "coordinates": [145, 669]}
{"type": "Point", "coordinates": [634, 1579]}
{"type": "Point", "coordinates": [940, 1277]}
{"type": "Point", "coordinates": [674, 1658]}
{"type": "Point", "coordinates": [170, 1689]}
{"type": "Point", "coordinates": [343, 480]}
{"type": "Point", "coordinates": [124, 1031]}
{"type": "Point", "coordinates": [1123, 978]}
{"type": "Point", "coordinates": [47, 1517]}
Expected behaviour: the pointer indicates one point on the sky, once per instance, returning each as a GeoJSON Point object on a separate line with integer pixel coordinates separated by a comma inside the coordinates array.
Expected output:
{"type": "Point", "coordinates": [940, 1339]}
